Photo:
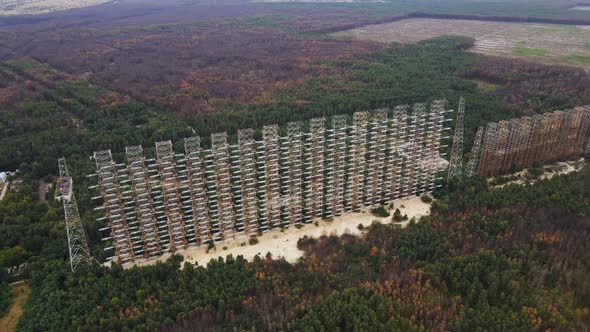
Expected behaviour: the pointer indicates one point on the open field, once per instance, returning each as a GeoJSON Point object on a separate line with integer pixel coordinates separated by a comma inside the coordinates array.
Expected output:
{"type": "Point", "coordinates": [284, 244]}
{"type": "Point", "coordinates": [21, 292]}
{"type": "Point", "coordinates": [321, 1]}
{"type": "Point", "coordinates": [546, 43]}
{"type": "Point", "coordinates": [26, 7]}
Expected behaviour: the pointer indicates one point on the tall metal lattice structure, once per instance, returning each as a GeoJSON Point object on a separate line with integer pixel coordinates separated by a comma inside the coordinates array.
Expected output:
{"type": "Point", "coordinates": [77, 244]}
{"type": "Point", "coordinates": [474, 159]}
{"type": "Point", "coordinates": [522, 142]}
{"type": "Point", "coordinates": [321, 169]}
{"type": "Point", "coordinates": [456, 162]}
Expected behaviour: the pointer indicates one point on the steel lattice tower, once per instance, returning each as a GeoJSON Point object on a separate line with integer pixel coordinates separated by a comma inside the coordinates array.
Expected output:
{"type": "Point", "coordinates": [197, 190]}
{"type": "Point", "coordinates": [140, 198]}
{"type": "Point", "coordinates": [271, 189]}
{"type": "Point", "coordinates": [317, 170]}
{"type": "Point", "coordinates": [172, 207]}
{"type": "Point", "coordinates": [293, 160]}
{"type": "Point", "coordinates": [246, 207]}
{"type": "Point", "coordinates": [474, 159]}
{"type": "Point", "coordinates": [456, 163]}
{"type": "Point", "coordinates": [113, 204]}
{"type": "Point", "coordinates": [77, 244]}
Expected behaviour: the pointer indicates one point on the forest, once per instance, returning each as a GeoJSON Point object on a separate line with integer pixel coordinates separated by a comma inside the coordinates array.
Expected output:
{"type": "Point", "coordinates": [71, 83]}
{"type": "Point", "coordinates": [72, 117]}
{"type": "Point", "coordinates": [510, 259]}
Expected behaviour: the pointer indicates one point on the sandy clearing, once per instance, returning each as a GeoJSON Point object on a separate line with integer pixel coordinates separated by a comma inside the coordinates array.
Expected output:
{"type": "Point", "coordinates": [4, 189]}
{"type": "Point", "coordinates": [559, 168]}
{"type": "Point", "coordinates": [284, 244]}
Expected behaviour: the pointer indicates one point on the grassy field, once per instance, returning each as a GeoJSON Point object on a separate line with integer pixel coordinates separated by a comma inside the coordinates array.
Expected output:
{"type": "Point", "coordinates": [583, 59]}
{"type": "Point", "coordinates": [529, 51]}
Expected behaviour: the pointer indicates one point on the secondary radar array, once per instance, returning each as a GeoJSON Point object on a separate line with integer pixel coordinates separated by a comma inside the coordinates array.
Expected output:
{"type": "Point", "coordinates": [522, 142]}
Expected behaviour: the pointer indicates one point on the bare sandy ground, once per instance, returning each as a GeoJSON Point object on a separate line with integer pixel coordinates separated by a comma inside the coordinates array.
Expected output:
{"type": "Point", "coordinates": [21, 7]}
{"type": "Point", "coordinates": [284, 244]}
{"type": "Point", "coordinates": [559, 168]}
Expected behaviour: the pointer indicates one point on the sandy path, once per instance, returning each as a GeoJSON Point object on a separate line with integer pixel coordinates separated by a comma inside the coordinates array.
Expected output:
{"type": "Point", "coordinates": [4, 190]}
{"type": "Point", "coordinates": [42, 189]}
{"type": "Point", "coordinates": [284, 244]}
{"type": "Point", "coordinates": [551, 170]}
{"type": "Point", "coordinates": [22, 291]}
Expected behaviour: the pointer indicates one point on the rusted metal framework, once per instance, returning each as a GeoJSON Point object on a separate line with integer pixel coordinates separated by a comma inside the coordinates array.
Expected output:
{"type": "Point", "coordinates": [77, 244]}
{"type": "Point", "coordinates": [522, 142]}
{"type": "Point", "coordinates": [196, 207]}
{"type": "Point", "coordinates": [456, 163]}
{"type": "Point", "coordinates": [474, 159]}
{"type": "Point", "coordinates": [292, 150]}
{"type": "Point", "coordinates": [140, 204]}
{"type": "Point", "coordinates": [270, 189]}
{"type": "Point", "coordinates": [223, 213]}
{"type": "Point", "coordinates": [169, 184]}
{"type": "Point", "coordinates": [247, 207]}
{"type": "Point", "coordinates": [376, 156]}
{"type": "Point", "coordinates": [314, 164]}
{"type": "Point", "coordinates": [203, 196]}
{"type": "Point", "coordinates": [399, 145]}
{"type": "Point", "coordinates": [357, 163]}
{"type": "Point", "coordinates": [112, 203]}
{"type": "Point", "coordinates": [336, 156]}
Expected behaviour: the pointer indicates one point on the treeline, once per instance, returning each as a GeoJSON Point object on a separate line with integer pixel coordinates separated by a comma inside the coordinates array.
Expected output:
{"type": "Point", "coordinates": [5, 293]}
{"type": "Point", "coordinates": [490, 18]}
{"type": "Point", "coordinates": [473, 265]}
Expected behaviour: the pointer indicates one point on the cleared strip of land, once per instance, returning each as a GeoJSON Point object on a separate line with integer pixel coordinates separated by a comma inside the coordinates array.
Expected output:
{"type": "Point", "coordinates": [547, 43]}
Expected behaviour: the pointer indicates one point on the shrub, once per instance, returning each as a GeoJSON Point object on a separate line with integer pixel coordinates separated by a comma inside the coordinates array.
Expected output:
{"type": "Point", "coordinates": [380, 212]}
{"type": "Point", "coordinates": [426, 199]}
{"type": "Point", "coordinates": [397, 215]}
{"type": "Point", "coordinates": [253, 240]}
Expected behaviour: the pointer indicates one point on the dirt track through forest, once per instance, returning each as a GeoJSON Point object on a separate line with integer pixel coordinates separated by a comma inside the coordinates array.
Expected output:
{"type": "Point", "coordinates": [21, 292]}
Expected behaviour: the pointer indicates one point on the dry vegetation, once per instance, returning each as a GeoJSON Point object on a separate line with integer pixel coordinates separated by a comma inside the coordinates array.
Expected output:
{"type": "Point", "coordinates": [532, 87]}
{"type": "Point", "coordinates": [21, 293]}
{"type": "Point", "coordinates": [189, 68]}
{"type": "Point", "coordinates": [547, 43]}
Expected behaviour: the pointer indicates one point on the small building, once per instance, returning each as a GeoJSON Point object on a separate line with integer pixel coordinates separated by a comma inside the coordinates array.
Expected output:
{"type": "Point", "coordinates": [3, 177]}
